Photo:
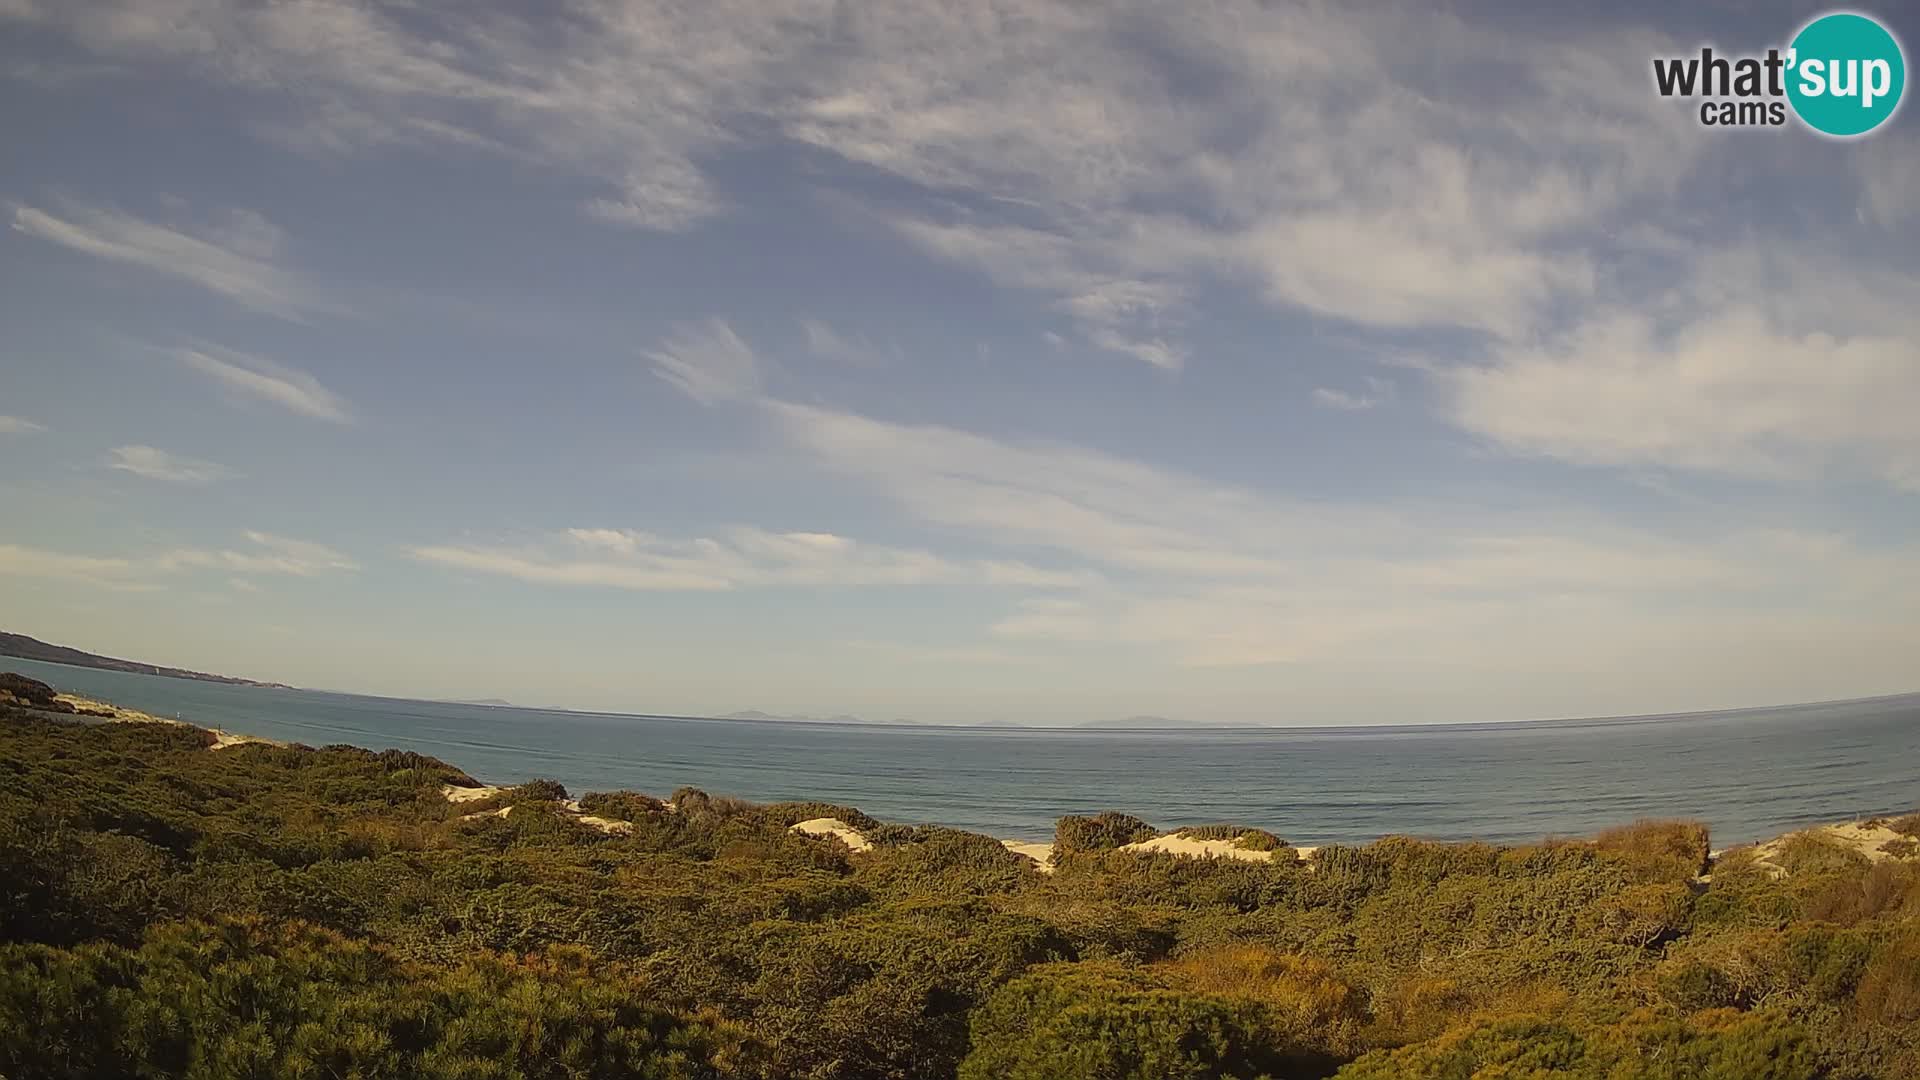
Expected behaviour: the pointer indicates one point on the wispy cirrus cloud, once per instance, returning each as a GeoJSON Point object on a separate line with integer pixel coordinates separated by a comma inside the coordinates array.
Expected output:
{"type": "Point", "coordinates": [851, 349]}
{"type": "Point", "coordinates": [19, 425]}
{"type": "Point", "coordinates": [268, 553]}
{"type": "Point", "coordinates": [739, 558]}
{"type": "Point", "coordinates": [1377, 392]}
{"type": "Point", "coordinates": [260, 379]}
{"type": "Point", "coordinates": [17, 560]}
{"type": "Point", "coordinates": [1215, 575]}
{"type": "Point", "coordinates": [708, 362]}
{"type": "Point", "coordinates": [156, 464]}
{"type": "Point", "coordinates": [264, 554]}
{"type": "Point", "coordinates": [1053, 147]}
{"type": "Point", "coordinates": [1774, 366]}
{"type": "Point", "coordinates": [233, 257]}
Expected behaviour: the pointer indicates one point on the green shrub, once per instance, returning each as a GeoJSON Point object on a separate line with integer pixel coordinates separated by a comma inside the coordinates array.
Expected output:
{"type": "Point", "coordinates": [539, 791]}
{"type": "Point", "coordinates": [621, 805]}
{"type": "Point", "coordinates": [1657, 850]}
{"type": "Point", "coordinates": [1250, 839]}
{"type": "Point", "coordinates": [1068, 1022]}
{"type": "Point", "coordinates": [1813, 853]}
{"type": "Point", "coordinates": [1102, 832]}
{"type": "Point", "coordinates": [1640, 1047]}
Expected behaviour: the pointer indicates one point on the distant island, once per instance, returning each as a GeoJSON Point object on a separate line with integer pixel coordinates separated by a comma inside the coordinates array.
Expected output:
{"type": "Point", "coordinates": [26, 648]}
{"type": "Point", "coordinates": [797, 719]}
{"type": "Point", "coordinates": [1137, 722]}
{"type": "Point", "coordinates": [843, 718]}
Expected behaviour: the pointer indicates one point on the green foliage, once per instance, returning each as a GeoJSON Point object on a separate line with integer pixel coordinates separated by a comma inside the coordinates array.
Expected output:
{"type": "Point", "coordinates": [1638, 1047]}
{"type": "Point", "coordinates": [1102, 832]}
{"type": "Point", "coordinates": [540, 791]}
{"type": "Point", "coordinates": [1812, 853]}
{"type": "Point", "coordinates": [1075, 1021]}
{"type": "Point", "coordinates": [621, 805]}
{"type": "Point", "coordinates": [1250, 839]}
{"type": "Point", "coordinates": [291, 911]}
{"type": "Point", "coordinates": [240, 999]}
{"type": "Point", "coordinates": [1658, 850]}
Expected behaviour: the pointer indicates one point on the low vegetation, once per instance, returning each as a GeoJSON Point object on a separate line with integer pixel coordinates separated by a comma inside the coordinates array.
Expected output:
{"type": "Point", "coordinates": [260, 911]}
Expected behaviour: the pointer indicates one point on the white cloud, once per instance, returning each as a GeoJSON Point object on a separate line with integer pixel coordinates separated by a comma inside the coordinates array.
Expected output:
{"type": "Point", "coordinates": [267, 554]}
{"type": "Point", "coordinates": [16, 425]}
{"type": "Point", "coordinates": [261, 379]}
{"type": "Point", "coordinates": [741, 558]}
{"type": "Point", "coordinates": [1345, 160]}
{"type": "Point", "coordinates": [1784, 368]}
{"type": "Point", "coordinates": [708, 362]}
{"type": "Point", "coordinates": [114, 573]}
{"type": "Point", "coordinates": [233, 257]}
{"type": "Point", "coordinates": [155, 464]}
{"type": "Point", "coordinates": [1378, 391]}
{"type": "Point", "coordinates": [826, 342]}
{"type": "Point", "coordinates": [1221, 576]}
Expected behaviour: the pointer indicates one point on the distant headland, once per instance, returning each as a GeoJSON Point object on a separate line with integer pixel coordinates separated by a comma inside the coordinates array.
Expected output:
{"type": "Point", "coordinates": [26, 648]}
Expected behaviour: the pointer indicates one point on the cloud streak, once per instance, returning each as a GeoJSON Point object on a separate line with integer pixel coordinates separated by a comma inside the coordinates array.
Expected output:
{"type": "Point", "coordinates": [265, 554]}
{"type": "Point", "coordinates": [154, 464]}
{"type": "Point", "coordinates": [707, 362]}
{"type": "Point", "coordinates": [741, 558]}
{"type": "Point", "coordinates": [259, 379]}
{"type": "Point", "coordinates": [233, 259]}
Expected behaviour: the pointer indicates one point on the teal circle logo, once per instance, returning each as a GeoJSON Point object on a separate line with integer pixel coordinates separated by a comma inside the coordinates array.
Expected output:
{"type": "Point", "coordinates": [1846, 73]}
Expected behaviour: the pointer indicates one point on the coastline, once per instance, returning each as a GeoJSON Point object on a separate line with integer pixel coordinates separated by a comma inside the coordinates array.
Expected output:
{"type": "Point", "coordinates": [1865, 833]}
{"type": "Point", "coordinates": [1872, 838]}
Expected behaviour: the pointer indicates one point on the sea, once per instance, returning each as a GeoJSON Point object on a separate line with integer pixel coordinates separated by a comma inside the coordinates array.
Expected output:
{"type": "Point", "coordinates": [1749, 774]}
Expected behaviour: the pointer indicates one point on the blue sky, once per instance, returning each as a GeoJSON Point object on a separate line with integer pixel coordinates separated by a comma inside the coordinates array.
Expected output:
{"type": "Point", "coordinates": [1033, 362]}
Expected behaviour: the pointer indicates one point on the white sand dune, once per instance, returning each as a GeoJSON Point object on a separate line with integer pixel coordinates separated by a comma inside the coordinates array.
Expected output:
{"type": "Point", "coordinates": [224, 739]}
{"type": "Point", "coordinates": [607, 825]}
{"type": "Point", "coordinates": [1176, 844]}
{"type": "Point", "coordinates": [826, 826]}
{"type": "Point", "coordinates": [1869, 838]}
{"type": "Point", "coordinates": [612, 826]}
{"type": "Point", "coordinates": [469, 794]}
{"type": "Point", "coordinates": [91, 711]}
{"type": "Point", "coordinates": [1041, 854]}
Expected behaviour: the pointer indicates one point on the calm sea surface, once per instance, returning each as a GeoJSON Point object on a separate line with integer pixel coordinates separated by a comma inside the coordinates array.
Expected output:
{"type": "Point", "coordinates": [1751, 774]}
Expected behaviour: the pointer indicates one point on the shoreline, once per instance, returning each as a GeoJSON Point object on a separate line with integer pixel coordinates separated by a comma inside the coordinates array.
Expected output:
{"type": "Point", "coordinates": [1864, 833]}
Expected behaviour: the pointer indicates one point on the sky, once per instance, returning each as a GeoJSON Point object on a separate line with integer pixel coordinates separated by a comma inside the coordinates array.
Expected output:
{"type": "Point", "coordinates": [1021, 361]}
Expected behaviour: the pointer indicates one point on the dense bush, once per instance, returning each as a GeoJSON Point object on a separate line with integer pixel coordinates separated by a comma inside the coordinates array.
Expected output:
{"type": "Point", "coordinates": [1076, 1021]}
{"type": "Point", "coordinates": [291, 911]}
{"type": "Point", "coordinates": [1103, 832]}
{"type": "Point", "coordinates": [1639, 1047]}
{"type": "Point", "coordinates": [621, 805]}
{"type": "Point", "coordinates": [1250, 839]}
{"type": "Point", "coordinates": [1658, 850]}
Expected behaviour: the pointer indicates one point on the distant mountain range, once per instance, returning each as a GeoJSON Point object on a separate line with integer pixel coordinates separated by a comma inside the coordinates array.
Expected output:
{"type": "Point", "coordinates": [1137, 722]}
{"type": "Point", "coordinates": [26, 648]}
{"type": "Point", "coordinates": [843, 718]}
